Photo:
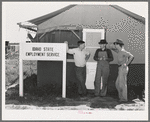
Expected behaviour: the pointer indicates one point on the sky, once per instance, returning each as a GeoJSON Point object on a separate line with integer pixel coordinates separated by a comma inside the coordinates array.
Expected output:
{"type": "Point", "coordinates": [15, 12]}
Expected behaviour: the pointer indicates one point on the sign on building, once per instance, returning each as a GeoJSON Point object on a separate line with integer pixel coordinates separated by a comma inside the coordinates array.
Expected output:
{"type": "Point", "coordinates": [43, 51]}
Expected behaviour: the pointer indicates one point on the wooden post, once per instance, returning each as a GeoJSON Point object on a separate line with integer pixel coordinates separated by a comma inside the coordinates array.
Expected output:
{"type": "Point", "coordinates": [105, 30]}
{"type": "Point", "coordinates": [64, 76]}
{"type": "Point", "coordinates": [101, 83]}
{"type": "Point", "coordinates": [20, 73]}
{"type": "Point", "coordinates": [59, 35]}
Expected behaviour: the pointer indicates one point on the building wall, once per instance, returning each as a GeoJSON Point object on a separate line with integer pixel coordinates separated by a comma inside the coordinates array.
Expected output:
{"type": "Point", "coordinates": [132, 33]}
{"type": "Point", "coordinates": [50, 73]}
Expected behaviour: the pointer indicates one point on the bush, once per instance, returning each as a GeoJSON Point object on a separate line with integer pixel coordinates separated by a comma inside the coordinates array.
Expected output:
{"type": "Point", "coordinates": [12, 71]}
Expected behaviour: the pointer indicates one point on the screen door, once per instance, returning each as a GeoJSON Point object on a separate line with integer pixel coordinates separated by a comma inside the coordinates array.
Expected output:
{"type": "Point", "coordinates": [91, 38]}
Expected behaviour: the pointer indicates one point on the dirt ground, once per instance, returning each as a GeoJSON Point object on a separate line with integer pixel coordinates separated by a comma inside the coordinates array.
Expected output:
{"type": "Point", "coordinates": [50, 99]}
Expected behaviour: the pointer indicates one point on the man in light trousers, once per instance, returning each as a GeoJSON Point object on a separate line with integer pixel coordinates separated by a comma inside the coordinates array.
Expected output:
{"type": "Point", "coordinates": [124, 59]}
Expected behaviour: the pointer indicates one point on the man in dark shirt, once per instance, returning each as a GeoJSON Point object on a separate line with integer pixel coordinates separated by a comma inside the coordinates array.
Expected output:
{"type": "Point", "coordinates": [103, 56]}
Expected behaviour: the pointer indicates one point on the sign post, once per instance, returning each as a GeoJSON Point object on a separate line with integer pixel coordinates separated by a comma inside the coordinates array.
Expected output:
{"type": "Point", "coordinates": [42, 51]}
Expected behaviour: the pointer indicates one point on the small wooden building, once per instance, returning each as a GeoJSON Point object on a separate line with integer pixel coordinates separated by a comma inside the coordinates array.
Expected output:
{"type": "Point", "coordinates": [91, 23]}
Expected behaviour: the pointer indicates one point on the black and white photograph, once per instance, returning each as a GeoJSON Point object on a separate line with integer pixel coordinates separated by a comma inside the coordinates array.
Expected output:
{"type": "Point", "coordinates": [74, 60]}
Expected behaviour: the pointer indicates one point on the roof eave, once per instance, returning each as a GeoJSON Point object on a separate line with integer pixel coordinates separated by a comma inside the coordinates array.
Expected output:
{"type": "Point", "coordinates": [129, 13]}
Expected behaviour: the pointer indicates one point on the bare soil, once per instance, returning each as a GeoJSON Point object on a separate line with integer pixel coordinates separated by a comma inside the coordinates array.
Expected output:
{"type": "Point", "coordinates": [49, 97]}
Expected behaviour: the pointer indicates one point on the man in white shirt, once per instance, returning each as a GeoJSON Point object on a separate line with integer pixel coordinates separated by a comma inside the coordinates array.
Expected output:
{"type": "Point", "coordinates": [80, 58]}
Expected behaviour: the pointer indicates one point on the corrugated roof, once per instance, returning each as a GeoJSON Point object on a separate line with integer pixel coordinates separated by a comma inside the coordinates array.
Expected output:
{"type": "Point", "coordinates": [41, 19]}
{"type": "Point", "coordinates": [129, 13]}
{"type": "Point", "coordinates": [79, 15]}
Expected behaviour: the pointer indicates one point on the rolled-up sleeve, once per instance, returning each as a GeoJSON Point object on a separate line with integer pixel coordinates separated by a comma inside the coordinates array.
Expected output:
{"type": "Point", "coordinates": [71, 51]}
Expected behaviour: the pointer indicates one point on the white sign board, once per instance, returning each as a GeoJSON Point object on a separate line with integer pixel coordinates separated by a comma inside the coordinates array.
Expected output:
{"type": "Point", "coordinates": [43, 51]}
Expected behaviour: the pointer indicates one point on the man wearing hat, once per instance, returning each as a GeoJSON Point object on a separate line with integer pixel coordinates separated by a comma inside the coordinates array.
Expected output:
{"type": "Point", "coordinates": [103, 56]}
{"type": "Point", "coordinates": [124, 59]}
{"type": "Point", "coordinates": [80, 58]}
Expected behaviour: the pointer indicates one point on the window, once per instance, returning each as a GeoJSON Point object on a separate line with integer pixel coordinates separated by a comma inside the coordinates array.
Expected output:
{"type": "Point", "coordinates": [92, 38]}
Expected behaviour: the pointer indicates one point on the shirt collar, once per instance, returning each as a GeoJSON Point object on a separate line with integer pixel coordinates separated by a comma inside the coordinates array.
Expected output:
{"type": "Point", "coordinates": [79, 49]}
{"type": "Point", "coordinates": [103, 50]}
{"type": "Point", "coordinates": [122, 49]}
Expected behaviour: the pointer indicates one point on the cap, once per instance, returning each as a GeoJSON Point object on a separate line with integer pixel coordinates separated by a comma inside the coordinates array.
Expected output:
{"type": "Point", "coordinates": [118, 41]}
{"type": "Point", "coordinates": [103, 41]}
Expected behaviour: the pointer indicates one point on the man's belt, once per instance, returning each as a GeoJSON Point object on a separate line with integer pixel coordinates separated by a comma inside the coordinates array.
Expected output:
{"type": "Point", "coordinates": [120, 65]}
